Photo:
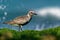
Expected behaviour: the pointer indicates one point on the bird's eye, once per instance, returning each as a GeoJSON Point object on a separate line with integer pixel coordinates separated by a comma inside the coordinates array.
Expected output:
{"type": "Point", "coordinates": [31, 12]}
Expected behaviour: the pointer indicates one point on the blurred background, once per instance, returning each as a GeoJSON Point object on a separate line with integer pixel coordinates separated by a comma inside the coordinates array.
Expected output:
{"type": "Point", "coordinates": [48, 13]}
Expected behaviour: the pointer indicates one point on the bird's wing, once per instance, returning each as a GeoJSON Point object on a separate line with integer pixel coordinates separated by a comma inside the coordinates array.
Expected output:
{"type": "Point", "coordinates": [20, 19]}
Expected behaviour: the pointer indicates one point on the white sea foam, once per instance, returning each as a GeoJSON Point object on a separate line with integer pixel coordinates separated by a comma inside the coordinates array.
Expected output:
{"type": "Point", "coordinates": [53, 11]}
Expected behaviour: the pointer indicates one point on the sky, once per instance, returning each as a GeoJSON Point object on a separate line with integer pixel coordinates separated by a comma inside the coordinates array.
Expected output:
{"type": "Point", "coordinates": [48, 13]}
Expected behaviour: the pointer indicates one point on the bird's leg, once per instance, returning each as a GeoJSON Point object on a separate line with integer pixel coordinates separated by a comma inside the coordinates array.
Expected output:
{"type": "Point", "coordinates": [20, 27]}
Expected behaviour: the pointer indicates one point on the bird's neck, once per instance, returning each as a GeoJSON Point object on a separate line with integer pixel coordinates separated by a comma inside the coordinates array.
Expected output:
{"type": "Point", "coordinates": [29, 16]}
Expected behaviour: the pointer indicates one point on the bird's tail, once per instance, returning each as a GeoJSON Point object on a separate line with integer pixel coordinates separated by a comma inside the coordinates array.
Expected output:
{"type": "Point", "coordinates": [5, 22]}
{"type": "Point", "coordinates": [9, 22]}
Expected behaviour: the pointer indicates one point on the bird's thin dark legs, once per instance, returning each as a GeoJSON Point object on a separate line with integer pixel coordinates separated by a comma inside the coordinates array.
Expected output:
{"type": "Point", "coordinates": [20, 27]}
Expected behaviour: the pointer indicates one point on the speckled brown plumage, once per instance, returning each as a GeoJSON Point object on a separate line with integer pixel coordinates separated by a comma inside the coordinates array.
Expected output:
{"type": "Point", "coordinates": [21, 19]}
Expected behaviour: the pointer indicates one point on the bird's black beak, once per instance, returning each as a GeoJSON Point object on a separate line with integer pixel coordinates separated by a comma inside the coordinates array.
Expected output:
{"type": "Point", "coordinates": [35, 13]}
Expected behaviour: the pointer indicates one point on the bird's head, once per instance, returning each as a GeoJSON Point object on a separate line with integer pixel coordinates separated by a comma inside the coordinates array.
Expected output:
{"type": "Point", "coordinates": [32, 13]}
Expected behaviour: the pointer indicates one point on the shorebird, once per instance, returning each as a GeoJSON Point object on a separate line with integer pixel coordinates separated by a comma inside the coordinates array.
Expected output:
{"type": "Point", "coordinates": [21, 20]}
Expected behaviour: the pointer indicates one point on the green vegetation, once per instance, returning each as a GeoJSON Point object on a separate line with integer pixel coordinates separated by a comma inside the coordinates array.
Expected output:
{"type": "Point", "coordinates": [47, 34]}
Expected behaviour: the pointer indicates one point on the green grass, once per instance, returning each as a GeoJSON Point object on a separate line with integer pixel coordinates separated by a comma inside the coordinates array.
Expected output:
{"type": "Point", "coordinates": [47, 34]}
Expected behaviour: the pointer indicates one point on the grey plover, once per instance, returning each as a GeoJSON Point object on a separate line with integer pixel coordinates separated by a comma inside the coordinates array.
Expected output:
{"type": "Point", "coordinates": [21, 20]}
